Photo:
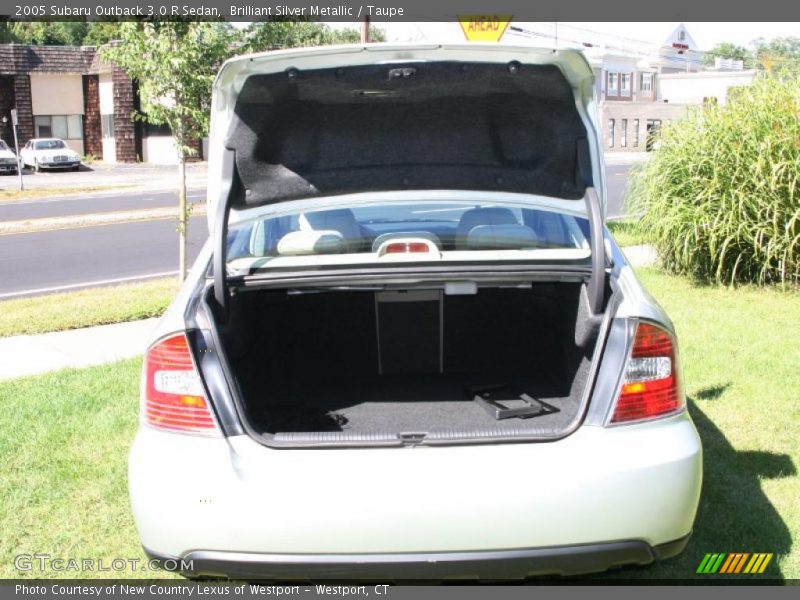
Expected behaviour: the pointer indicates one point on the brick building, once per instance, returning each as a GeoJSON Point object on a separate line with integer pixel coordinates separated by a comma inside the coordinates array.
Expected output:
{"type": "Point", "coordinates": [69, 93]}
{"type": "Point", "coordinates": [642, 89]}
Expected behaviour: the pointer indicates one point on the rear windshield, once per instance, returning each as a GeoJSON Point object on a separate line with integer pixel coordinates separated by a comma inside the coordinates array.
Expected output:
{"type": "Point", "coordinates": [407, 232]}
{"type": "Point", "coordinates": [50, 145]}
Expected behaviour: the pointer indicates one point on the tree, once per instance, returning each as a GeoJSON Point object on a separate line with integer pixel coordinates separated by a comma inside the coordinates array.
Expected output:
{"type": "Point", "coordinates": [779, 55]}
{"type": "Point", "coordinates": [59, 33]}
{"type": "Point", "coordinates": [49, 33]}
{"type": "Point", "coordinates": [101, 32]}
{"type": "Point", "coordinates": [279, 33]}
{"type": "Point", "coordinates": [728, 50]}
{"type": "Point", "coordinates": [6, 35]}
{"type": "Point", "coordinates": [174, 64]}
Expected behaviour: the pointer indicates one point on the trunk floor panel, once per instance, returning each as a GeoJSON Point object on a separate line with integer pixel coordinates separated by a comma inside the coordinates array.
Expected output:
{"type": "Point", "coordinates": [366, 364]}
{"type": "Point", "coordinates": [401, 404]}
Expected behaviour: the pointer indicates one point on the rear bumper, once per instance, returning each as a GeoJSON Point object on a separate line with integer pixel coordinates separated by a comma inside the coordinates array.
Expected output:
{"type": "Point", "coordinates": [504, 564]}
{"type": "Point", "coordinates": [598, 498]}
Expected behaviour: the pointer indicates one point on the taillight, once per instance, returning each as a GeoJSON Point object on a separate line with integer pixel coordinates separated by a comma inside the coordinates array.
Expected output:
{"type": "Point", "coordinates": [174, 397]}
{"type": "Point", "coordinates": [650, 388]}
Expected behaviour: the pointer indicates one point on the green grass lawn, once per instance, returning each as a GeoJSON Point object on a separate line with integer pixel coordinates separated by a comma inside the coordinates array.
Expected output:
{"type": "Point", "coordinates": [626, 232]}
{"type": "Point", "coordinates": [84, 308]}
{"type": "Point", "coordinates": [64, 440]}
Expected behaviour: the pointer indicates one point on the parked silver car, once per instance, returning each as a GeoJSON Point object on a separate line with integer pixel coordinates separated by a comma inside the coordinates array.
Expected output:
{"type": "Point", "coordinates": [410, 348]}
{"type": "Point", "coordinates": [8, 160]}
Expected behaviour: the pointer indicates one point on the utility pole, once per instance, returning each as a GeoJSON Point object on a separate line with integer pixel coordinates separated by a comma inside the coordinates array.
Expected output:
{"type": "Point", "coordinates": [14, 121]}
{"type": "Point", "coordinates": [365, 30]}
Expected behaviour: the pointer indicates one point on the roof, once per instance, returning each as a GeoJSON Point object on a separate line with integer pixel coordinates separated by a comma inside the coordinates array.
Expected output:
{"type": "Point", "coordinates": [18, 59]}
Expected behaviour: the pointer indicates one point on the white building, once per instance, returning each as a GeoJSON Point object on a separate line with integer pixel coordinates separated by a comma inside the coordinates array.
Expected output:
{"type": "Point", "coordinates": [643, 88]}
{"type": "Point", "coordinates": [703, 87]}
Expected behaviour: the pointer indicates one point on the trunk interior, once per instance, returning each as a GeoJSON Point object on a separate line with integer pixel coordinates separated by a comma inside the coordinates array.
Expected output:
{"type": "Point", "coordinates": [391, 366]}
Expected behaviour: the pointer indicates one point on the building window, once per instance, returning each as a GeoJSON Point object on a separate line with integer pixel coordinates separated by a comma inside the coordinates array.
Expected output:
{"type": "Point", "coordinates": [646, 84]}
{"type": "Point", "coordinates": [612, 89]}
{"type": "Point", "coordinates": [636, 133]}
{"type": "Point", "coordinates": [107, 125]}
{"type": "Point", "coordinates": [625, 85]}
{"type": "Point", "coordinates": [66, 127]}
{"type": "Point", "coordinates": [619, 85]}
{"type": "Point", "coordinates": [653, 129]}
{"type": "Point", "coordinates": [611, 133]}
{"type": "Point", "coordinates": [623, 134]}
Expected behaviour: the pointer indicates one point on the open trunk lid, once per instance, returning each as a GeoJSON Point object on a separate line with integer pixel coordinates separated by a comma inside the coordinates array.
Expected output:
{"type": "Point", "coordinates": [324, 122]}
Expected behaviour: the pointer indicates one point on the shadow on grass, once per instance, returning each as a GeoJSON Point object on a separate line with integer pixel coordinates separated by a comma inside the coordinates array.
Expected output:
{"type": "Point", "coordinates": [713, 392]}
{"type": "Point", "coordinates": [734, 513]}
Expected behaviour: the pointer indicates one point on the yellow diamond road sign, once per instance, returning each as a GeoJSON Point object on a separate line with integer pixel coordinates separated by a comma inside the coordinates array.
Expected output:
{"type": "Point", "coordinates": [484, 28]}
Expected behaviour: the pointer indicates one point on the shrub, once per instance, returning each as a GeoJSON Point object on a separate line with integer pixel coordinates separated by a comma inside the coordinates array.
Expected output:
{"type": "Point", "coordinates": [720, 198]}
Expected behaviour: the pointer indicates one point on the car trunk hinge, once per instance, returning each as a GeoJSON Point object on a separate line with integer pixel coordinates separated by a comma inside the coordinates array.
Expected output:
{"type": "Point", "coordinates": [596, 288]}
{"type": "Point", "coordinates": [226, 195]}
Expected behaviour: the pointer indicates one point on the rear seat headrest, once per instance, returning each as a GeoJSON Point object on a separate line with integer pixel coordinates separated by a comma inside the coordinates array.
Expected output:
{"type": "Point", "coordinates": [501, 237]}
{"type": "Point", "coordinates": [339, 219]}
{"type": "Point", "coordinates": [493, 215]}
{"type": "Point", "coordinates": [300, 243]}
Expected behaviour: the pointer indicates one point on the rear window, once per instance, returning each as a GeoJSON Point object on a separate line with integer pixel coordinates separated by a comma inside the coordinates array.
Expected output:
{"type": "Point", "coordinates": [407, 232]}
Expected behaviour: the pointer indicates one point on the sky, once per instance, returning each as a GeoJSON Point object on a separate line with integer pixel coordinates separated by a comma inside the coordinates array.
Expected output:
{"type": "Point", "coordinates": [706, 35]}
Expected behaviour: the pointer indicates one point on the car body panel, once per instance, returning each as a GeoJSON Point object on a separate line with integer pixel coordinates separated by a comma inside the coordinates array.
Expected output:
{"type": "Point", "coordinates": [625, 490]}
{"type": "Point", "coordinates": [598, 485]}
{"type": "Point", "coordinates": [8, 160]}
{"type": "Point", "coordinates": [234, 73]}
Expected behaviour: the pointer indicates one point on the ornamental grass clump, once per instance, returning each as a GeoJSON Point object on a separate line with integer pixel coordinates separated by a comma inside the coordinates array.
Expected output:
{"type": "Point", "coordinates": [720, 198]}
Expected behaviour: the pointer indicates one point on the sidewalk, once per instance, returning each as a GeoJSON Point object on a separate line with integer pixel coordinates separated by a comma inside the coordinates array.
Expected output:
{"type": "Point", "coordinates": [626, 158]}
{"type": "Point", "coordinates": [640, 256]}
{"type": "Point", "coordinates": [34, 354]}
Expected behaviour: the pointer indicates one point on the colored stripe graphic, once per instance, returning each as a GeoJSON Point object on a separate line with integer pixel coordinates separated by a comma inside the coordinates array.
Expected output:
{"type": "Point", "coordinates": [710, 563]}
{"type": "Point", "coordinates": [758, 563]}
{"type": "Point", "coordinates": [727, 565]}
{"type": "Point", "coordinates": [740, 562]}
{"type": "Point", "coordinates": [734, 562]}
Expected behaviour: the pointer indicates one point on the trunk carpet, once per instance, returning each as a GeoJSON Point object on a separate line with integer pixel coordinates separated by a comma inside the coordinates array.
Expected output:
{"type": "Point", "coordinates": [311, 362]}
{"type": "Point", "coordinates": [398, 404]}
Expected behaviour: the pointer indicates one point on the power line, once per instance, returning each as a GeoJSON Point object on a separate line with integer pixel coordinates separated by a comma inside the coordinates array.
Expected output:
{"type": "Point", "coordinates": [699, 58]}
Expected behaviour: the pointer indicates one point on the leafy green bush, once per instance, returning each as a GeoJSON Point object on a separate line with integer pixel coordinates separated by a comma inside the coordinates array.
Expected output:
{"type": "Point", "coordinates": [720, 198]}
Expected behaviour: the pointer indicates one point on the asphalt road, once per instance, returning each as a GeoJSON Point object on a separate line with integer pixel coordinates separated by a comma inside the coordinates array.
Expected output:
{"type": "Point", "coordinates": [37, 208]}
{"type": "Point", "coordinates": [64, 206]}
{"type": "Point", "coordinates": [35, 263]}
{"type": "Point", "coordinates": [616, 184]}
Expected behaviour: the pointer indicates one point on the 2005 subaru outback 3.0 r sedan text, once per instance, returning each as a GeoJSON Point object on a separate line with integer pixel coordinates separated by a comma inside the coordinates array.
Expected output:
{"type": "Point", "coordinates": [410, 348]}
